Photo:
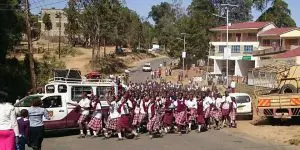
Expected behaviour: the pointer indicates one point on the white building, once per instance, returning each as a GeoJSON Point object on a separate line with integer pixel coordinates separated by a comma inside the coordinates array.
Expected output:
{"type": "Point", "coordinates": [243, 41]}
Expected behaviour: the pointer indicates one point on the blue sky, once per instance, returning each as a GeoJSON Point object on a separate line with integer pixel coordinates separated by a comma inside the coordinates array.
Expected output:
{"type": "Point", "coordinates": [142, 7]}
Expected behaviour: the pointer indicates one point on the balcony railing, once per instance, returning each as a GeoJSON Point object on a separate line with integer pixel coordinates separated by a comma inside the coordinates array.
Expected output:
{"type": "Point", "coordinates": [269, 51]}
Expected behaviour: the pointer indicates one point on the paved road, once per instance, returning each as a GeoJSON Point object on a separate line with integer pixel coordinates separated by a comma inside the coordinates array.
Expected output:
{"type": "Point", "coordinates": [211, 140]}
{"type": "Point", "coordinates": [137, 75]}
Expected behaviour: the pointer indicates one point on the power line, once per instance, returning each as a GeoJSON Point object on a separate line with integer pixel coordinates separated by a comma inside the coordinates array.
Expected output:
{"type": "Point", "coordinates": [49, 4]}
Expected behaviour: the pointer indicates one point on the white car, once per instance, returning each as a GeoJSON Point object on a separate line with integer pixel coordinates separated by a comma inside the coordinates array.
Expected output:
{"type": "Point", "coordinates": [147, 67]}
{"type": "Point", "coordinates": [244, 104]}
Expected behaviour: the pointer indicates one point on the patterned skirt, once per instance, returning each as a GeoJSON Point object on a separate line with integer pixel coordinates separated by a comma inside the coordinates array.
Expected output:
{"type": "Point", "coordinates": [180, 118]}
{"type": "Point", "coordinates": [216, 114]}
{"type": "Point", "coordinates": [154, 123]}
{"type": "Point", "coordinates": [123, 122]}
{"type": "Point", "coordinates": [192, 115]}
{"type": "Point", "coordinates": [168, 118]}
{"type": "Point", "coordinates": [200, 119]}
{"type": "Point", "coordinates": [111, 123]}
{"type": "Point", "coordinates": [138, 118]}
{"type": "Point", "coordinates": [225, 112]}
{"type": "Point", "coordinates": [95, 124]}
{"type": "Point", "coordinates": [232, 115]}
{"type": "Point", "coordinates": [207, 112]}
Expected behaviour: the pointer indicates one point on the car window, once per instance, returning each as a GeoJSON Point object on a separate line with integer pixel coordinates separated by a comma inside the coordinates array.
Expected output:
{"type": "Point", "coordinates": [52, 102]}
{"type": "Point", "coordinates": [76, 92]}
{"type": "Point", "coordinates": [27, 101]}
{"type": "Point", "coordinates": [102, 90]}
{"type": "Point", "coordinates": [242, 99]}
{"type": "Point", "coordinates": [147, 66]}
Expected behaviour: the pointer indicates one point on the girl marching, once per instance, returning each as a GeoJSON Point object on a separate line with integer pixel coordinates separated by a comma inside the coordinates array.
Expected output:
{"type": "Point", "coordinates": [181, 114]}
{"type": "Point", "coordinates": [96, 122]}
{"type": "Point", "coordinates": [192, 110]}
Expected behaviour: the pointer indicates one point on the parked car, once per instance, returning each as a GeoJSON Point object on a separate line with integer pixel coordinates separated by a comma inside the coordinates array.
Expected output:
{"type": "Point", "coordinates": [244, 104]}
{"type": "Point", "coordinates": [147, 67]}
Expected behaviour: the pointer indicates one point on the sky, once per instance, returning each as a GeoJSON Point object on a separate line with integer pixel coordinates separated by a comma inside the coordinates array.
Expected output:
{"type": "Point", "coordinates": [142, 7]}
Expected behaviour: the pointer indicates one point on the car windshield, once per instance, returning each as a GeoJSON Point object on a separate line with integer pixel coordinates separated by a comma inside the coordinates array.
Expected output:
{"type": "Point", "coordinates": [147, 66]}
{"type": "Point", "coordinates": [242, 99]}
{"type": "Point", "coordinates": [27, 101]}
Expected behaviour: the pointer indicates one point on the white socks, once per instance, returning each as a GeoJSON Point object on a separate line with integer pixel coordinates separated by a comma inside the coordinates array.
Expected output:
{"type": "Point", "coordinates": [81, 132]}
{"type": "Point", "coordinates": [134, 132]}
{"type": "Point", "coordinates": [88, 132]}
{"type": "Point", "coordinates": [199, 128]}
{"type": "Point", "coordinates": [95, 133]}
{"type": "Point", "coordinates": [190, 125]}
{"type": "Point", "coordinates": [119, 135]}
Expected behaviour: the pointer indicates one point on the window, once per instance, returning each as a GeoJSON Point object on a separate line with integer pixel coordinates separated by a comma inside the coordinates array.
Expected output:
{"type": "Point", "coordinates": [62, 88]}
{"type": "Point", "coordinates": [50, 89]}
{"type": "Point", "coordinates": [52, 102]}
{"type": "Point", "coordinates": [266, 42]}
{"type": "Point", "coordinates": [102, 90]}
{"type": "Point", "coordinates": [58, 24]}
{"type": "Point", "coordinates": [27, 101]}
{"type": "Point", "coordinates": [248, 48]}
{"type": "Point", "coordinates": [242, 99]}
{"type": "Point", "coordinates": [235, 49]}
{"type": "Point", "coordinates": [76, 92]}
{"type": "Point", "coordinates": [221, 48]}
{"type": "Point", "coordinates": [251, 35]}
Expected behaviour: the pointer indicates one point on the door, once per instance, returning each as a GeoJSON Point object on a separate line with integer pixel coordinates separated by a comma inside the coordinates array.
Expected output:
{"type": "Point", "coordinates": [244, 105]}
{"type": "Point", "coordinates": [57, 112]}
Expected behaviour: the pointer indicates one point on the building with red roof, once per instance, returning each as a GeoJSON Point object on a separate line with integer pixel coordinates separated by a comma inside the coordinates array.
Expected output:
{"type": "Point", "coordinates": [242, 41]}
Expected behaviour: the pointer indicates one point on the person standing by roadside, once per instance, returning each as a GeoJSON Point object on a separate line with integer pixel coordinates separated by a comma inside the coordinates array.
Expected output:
{"type": "Point", "coordinates": [9, 131]}
{"type": "Point", "coordinates": [36, 129]}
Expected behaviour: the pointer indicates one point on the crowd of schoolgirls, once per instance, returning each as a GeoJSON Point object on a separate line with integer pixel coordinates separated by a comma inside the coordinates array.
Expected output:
{"type": "Point", "coordinates": [155, 108]}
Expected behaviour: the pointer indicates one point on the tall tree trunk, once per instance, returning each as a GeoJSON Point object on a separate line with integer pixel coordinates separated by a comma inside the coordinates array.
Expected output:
{"type": "Point", "coordinates": [93, 53]}
{"type": "Point", "coordinates": [104, 44]}
{"type": "Point", "coordinates": [31, 61]}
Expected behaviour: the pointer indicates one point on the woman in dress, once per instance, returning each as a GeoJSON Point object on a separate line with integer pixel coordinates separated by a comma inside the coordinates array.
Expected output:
{"type": "Point", "coordinates": [9, 131]}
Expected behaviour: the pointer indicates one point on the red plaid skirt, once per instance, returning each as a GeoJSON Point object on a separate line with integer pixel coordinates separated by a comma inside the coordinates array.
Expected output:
{"type": "Point", "coordinates": [123, 122]}
{"type": "Point", "coordinates": [95, 124]}
{"type": "Point", "coordinates": [207, 112]}
{"type": "Point", "coordinates": [154, 123]}
{"type": "Point", "coordinates": [180, 118]}
{"type": "Point", "coordinates": [200, 119]}
{"type": "Point", "coordinates": [82, 119]}
{"type": "Point", "coordinates": [192, 115]}
{"type": "Point", "coordinates": [111, 123]}
{"type": "Point", "coordinates": [225, 112]}
{"type": "Point", "coordinates": [168, 118]}
{"type": "Point", "coordinates": [232, 114]}
{"type": "Point", "coordinates": [216, 114]}
{"type": "Point", "coordinates": [138, 118]}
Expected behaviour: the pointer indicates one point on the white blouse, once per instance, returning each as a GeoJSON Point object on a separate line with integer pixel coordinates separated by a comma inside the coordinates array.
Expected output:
{"type": "Point", "coordinates": [8, 119]}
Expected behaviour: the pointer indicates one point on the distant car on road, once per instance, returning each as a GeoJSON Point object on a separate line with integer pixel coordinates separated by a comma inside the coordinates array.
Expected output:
{"type": "Point", "coordinates": [147, 67]}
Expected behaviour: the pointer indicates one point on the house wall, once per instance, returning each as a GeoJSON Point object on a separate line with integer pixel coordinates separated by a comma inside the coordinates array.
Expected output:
{"type": "Point", "coordinates": [55, 22]}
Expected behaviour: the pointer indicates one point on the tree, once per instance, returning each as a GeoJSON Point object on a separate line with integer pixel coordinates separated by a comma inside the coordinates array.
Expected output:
{"type": "Point", "coordinates": [47, 22]}
{"type": "Point", "coordinates": [279, 14]}
{"type": "Point", "coordinates": [11, 26]}
{"type": "Point", "coordinates": [242, 13]}
{"type": "Point", "coordinates": [72, 27]}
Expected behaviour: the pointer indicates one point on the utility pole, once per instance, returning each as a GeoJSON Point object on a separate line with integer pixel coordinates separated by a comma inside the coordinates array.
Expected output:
{"type": "Point", "coordinates": [227, 33]}
{"type": "Point", "coordinates": [58, 15]}
{"type": "Point", "coordinates": [30, 49]}
{"type": "Point", "coordinates": [185, 54]}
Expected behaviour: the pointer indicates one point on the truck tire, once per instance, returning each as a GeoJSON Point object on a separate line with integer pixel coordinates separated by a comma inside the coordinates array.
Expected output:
{"type": "Point", "coordinates": [288, 88]}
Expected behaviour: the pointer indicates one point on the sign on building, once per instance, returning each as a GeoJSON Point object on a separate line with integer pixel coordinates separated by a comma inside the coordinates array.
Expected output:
{"type": "Point", "coordinates": [227, 53]}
